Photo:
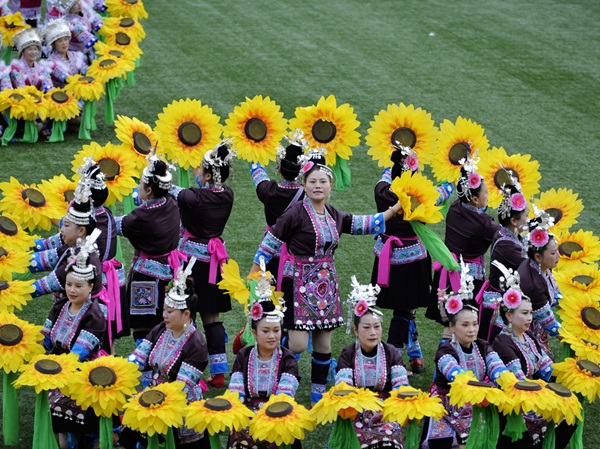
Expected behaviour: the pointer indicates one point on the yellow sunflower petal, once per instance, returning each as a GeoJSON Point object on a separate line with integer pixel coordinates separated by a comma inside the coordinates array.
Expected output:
{"type": "Point", "coordinates": [108, 67]}
{"type": "Point", "coordinates": [466, 389]}
{"type": "Point", "coordinates": [455, 142]}
{"type": "Point", "coordinates": [411, 127]}
{"type": "Point", "coordinates": [114, 25]}
{"type": "Point", "coordinates": [495, 166]}
{"type": "Point", "coordinates": [126, 8]}
{"type": "Point", "coordinates": [10, 25]}
{"type": "Point", "coordinates": [578, 247]}
{"type": "Point", "coordinates": [563, 205]}
{"type": "Point", "coordinates": [329, 126]}
{"type": "Point", "coordinates": [281, 421]}
{"type": "Point", "coordinates": [104, 384]}
{"type": "Point", "coordinates": [14, 294]}
{"type": "Point", "coordinates": [527, 396]}
{"type": "Point", "coordinates": [346, 401]}
{"type": "Point", "coordinates": [257, 126]}
{"type": "Point", "coordinates": [86, 88]}
{"type": "Point", "coordinates": [137, 137]}
{"type": "Point", "coordinates": [233, 283]}
{"type": "Point", "coordinates": [117, 164]}
{"type": "Point", "coordinates": [580, 315]}
{"type": "Point", "coordinates": [125, 43]}
{"type": "Point", "coordinates": [30, 208]}
{"type": "Point", "coordinates": [19, 102]}
{"type": "Point", "coordinates": [155, 409]}
{"type": "Point", "coordinates": [20, 340]}
{"type": "Point", "coordinates": [47, 371]}
{"type": "Point", "coordinates": [63, 187]}
{"type": "Point", "coordinates": [408, 403]}
{"type": "Point", "coordinates": [579, 280]}
{"type": "Point", "coordinates": [13, 260]}
{"type": "Point", "coordinates": [218, 414]}
{"type": "Point", "coordinates": [580, 376]}
{"type": "Point", "coordinates": [187, 129]}
{"type": "Point", "coordinates": [60, 105]}
{"type": "Point", "coordinates": [12, 236]}
{"type": "Point", "coordinates": [418, 196]}
{"type": "Point", "coordinates": [583, 349]}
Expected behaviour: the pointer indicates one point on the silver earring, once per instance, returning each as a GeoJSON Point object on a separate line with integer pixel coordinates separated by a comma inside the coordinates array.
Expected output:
{"type": "Point", "coordinates": [510, 326]}
{"type": "Point", "coordinates": [185, 325]}
{"type": "Point", "coordinates": [453, 337]}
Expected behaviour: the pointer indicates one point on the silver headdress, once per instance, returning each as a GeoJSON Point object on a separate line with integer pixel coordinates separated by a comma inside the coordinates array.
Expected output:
{"type": "Point", "coordinates": [454, 302]}
{"type": "Point", "coordinates": [81, 196]}
{"type": "Point", "coordinates": [472, 179]}
{"type": "Point", "coordinates": [538, 228]}
{"type": "Point", "coordinates": [176, 298]}
{"type": "Point", "coordinates": [97, 182]}
{"type": "Point", "coordinates": [212, 161]}
{"type": "Point", "coordinates": [315, 156]}
{"type": "Point", "coordinates": [81, 269]}
{"type": "Point", "coordinates": [262, 297]}
{"type": "Point", "coordinates": [296, 139]}
{"type": "Point", "coordinates": [511, 201]}
{"type": "Point", "coordinates": [149, 175]}
{"type": "Point", "coordinates": [510, 283]}
{"type": "Point", "coordinates": [361, 299]}
{"type": "Point", "coordinates": [411, 160]}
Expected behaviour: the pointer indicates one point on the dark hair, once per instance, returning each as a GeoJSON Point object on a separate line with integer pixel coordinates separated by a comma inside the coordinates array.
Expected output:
{"type": "Point", "coordinates": [453, 316]}
{"type": "Point", "coordinates": [398, 158]}
{"type": "Point", "coordinates": [99, 196]}
{"type": "Point", "coordinates": [160, 169]}
{"type": "Point", "coordinates": [505, 221]}
{"type": "Point", "coordinates": [356, 319]}
{"type": "Point", "coordinates": [289, 166]}
{"type": "Point", "coordinates": [222, 153]}
{"type": "Point", "coordinates": [319, 161]}
{"type": "Point", "coordinates": [192, 299]}
{"type": "Point", "coordinates": [463, 183]}
{"type": "Point", "coordinates": [267, 306]}
{"type": "Point", "coordinates": [533, 250]}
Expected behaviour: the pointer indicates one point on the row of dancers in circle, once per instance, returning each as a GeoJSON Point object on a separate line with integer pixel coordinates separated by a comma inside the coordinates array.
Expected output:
{"type": "Point", "coordinates": [174, 224]}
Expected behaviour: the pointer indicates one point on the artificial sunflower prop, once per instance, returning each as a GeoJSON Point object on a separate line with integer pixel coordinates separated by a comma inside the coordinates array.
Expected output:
{"type": "Point", "coordinates": [341, 404]}
{"type": "Point", "coordinates": [137, 137]}
{"type": "Point", "coordinates": [570, 408]}
{"type": "Point", "coordinates": [10, 25]}
{"type": "Point", "coordinates": [582, 348]}
{"type": "Point", "coordinates": [455, 142]}
{"type": "Point", "coordinates": [405, 125]}
{"type": "Point", "coordinates": [37, 97]}
{"type": "Point", "coordinates": [113, 25]}
{"type": "Point", "coordinates": [581, 376]}
{"type": "Point", "coordinates": [257, 126]}
{"type": "Point", "coordinates": [418, 196]}
{"type": "Point", "coordinates": [156, 410]}
{"type": "Point", "coordinates": [187, 129]}
{"type": "Point", "coordinates": [579, 280]}
{"type": "Point", "coordinates": [123, 42]}
{"type": "Point", "coordinates": [499, 169]}
{"type": "Point", "coordinates": [19, 342]}
{"type": "Point", "coordinates": [21, 106]}
{"type": "Point", "coordinates": [216, 415]}
{"type": "Point", "coordinates": [581, 316]}
{"type": "Point", "coordinates": [233, 283]}
{"type": "Point", "coordinates": [527, 396]}
{"type": "Point", "coordinates": [332, 127]}
{"type": "Point", "coordinates": [281, 421]}
{"type": "Point", "coordinates": [88, 89]}
{"type": "Point", "coordinates": [104, 384]}
{"type": "Point", "coordinates": [118, 167]}
{"type": "Point", "coordinates": [60, 107]}
{"type": "Point", "coordinates": [563, 205]}
{"type": "Point", "coordinates": [110, 70]}
{"type": "Point", "coordinates": [577, 247]}
{"type": "Point", "coordinates": [44, 373]}
{"type": "Point", "coordinates": [484, 397]}
{"type": "Point", "coordinates": [13, 261]}
{"type": "Point", "coordinates": [63, 187]}
{"type": "Point", "coordinates": [14, 294]}
{"type": "Point", "coordinates": [30, 208]}
{"type": "Point", "coordinates": [408, 406]}
{"type": "Point", "coordinates": [126, 8]}
{"type": "Point", "coordinates": [12, 236]}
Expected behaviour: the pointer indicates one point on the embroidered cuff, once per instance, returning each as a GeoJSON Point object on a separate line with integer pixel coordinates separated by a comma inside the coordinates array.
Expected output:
{"type": "Point", "coordinates": [218, 363]}
{"type": "Point", "coordinates": [236, 383]}
{"type": "Point", "coordinates": [258, 173]}
{"type": "Point", "coordinates": [288, 384]}
{"type": "Point", "coordinates": [344, 375]}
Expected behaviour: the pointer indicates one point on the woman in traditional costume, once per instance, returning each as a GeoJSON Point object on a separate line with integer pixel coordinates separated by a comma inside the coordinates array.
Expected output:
{"type": "Point", "coordinates": [524, 356]}
{"type": "Point", "coordinates": [464, 352]}
{"type": "Point", "coordinates": [204, 213]}
{"type": "Point", "coordinates": [29, 70]}
{"type": "Point", "coordinates": [83, 22]}
{"type": "Point", "coordinates": [370, 363]}
{"type": "Point", "coordinates": [508, 249]}
{"type": "Point", "coordinates": [65, 62]}
{"type": "Point", "coordinates": [175, 350]}
{"type": "Point", "coordinates": [153, 231]}
{"type": "Point", "coordinates": [76, 324]}
{"type": "Point", "coordinates": [266, 367]}
{"type": "Point", "coordinates": [311, 230]}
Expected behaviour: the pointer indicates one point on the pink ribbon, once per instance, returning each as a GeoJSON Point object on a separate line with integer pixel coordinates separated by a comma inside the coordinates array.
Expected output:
{"type": "Point", "coordinates": [385, 261]}
{"type": "Point", "coordinates": [102, 296]}
{"type": "Point", "coordinates": [284, 256]}
{"type": "Point", "coordinates": [218, 255]}
{"type": "Point", "coordinates": [174, 258]}
{"type": "Point", "coordinates": [445, 275]}
{"type": "Point", "coordinates": [113, 291]}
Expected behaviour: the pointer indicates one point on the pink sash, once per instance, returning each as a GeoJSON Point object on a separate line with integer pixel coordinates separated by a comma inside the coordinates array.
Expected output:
{"type": "Point", "coordinates": [103, 297]}
{"type": "Point", "coordinates": [284, 256]}
{"type": "Point", "coordinates": [218, 255]}
{"type": "Point", "coordinates": [173, 257]}
{"type": "Point", "coordinates": [453, 276]}
{"type": "Point", "coordinates": [113, 292]}
{"type": "Point", "coordinates": [385, 260]}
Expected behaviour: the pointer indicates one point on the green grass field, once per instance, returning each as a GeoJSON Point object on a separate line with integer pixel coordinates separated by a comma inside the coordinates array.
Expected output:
{"type": "Point", "coordinates": [526, 71]}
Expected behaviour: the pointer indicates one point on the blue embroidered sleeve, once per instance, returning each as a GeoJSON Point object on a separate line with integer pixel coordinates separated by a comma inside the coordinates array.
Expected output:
{"type": "Point", "coordinates": [368, 224]}
{"type": "Point", "coordinates": [445, 190]}
{"type": "Point", "coordinates": [515, 367]}
{"type": "Point", "coordinates": [449, 367]}
{"type": "Point", "coordinates": [86, 342]}
{"type": "Point", "coordinates": [190, 376]}
{"type": "Point", "coordinates": [344, 375]}
{"type": "Point", "coordinates": [176, 190]}
{"type": "Point", "coordinates": [269, 248]}
{"type": "Point", "coordinates": [495, 366]}
{"type": "Point", "coordinates": [386, 176]}
{"type": "Point", "coordinates": [236, 384]}
{"type": "Point", "coordinates": [288, 384]}
{"type": "Point", "coordinates": [119, 224]}
{"type": "Point", "coordinates": [545, 316]}
{"type": "Point", "coordinates": [52, 242]}
{"type": "Point", "coordinates": [140, 354]}
{"type": "Point", "coordinates": [46, 333]}
{"type": "Point", "coordinates": [258, 173]}
{"type": "Point", "coordinates": [47, 284]}
{"type": "Point", "coordinates": [399, 376]}
{"type": "Point", "coordinates": [45, 260]}
{"type": "Point", "coordinates": [545, 371]}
